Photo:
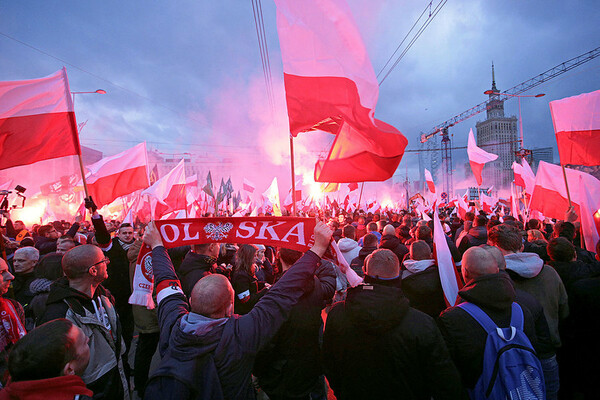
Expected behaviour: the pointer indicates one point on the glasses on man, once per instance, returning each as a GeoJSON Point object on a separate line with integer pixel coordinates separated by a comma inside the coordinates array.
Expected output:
{"type": "Point", "coordinates": [104, 260]}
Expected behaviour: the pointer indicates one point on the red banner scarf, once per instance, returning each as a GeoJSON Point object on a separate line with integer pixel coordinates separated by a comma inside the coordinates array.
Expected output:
{"type": "Point", "coordinates": [11, 322]}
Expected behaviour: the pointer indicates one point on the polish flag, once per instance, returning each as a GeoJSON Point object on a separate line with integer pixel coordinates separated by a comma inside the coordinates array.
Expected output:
{"type": "Point", "coordinates": [37, 121]}
{"type": "Point", "coordinates": [331, 86]}
{"type": "Point", "coordinates": [462, 206]}
{"type": "Point", "coordinates": [577, 126]}
{"type": "Point", "coordinates": [118, 175]}
{"type": "Point", "coordinates": [429, 180]}
{"type": "Point", "coordinates": [272, 195]}
{"type": "Point", "coordinates": [550, 197]}
{"type": "Point", "coordinates": [528, 177]}
{"type": "Point", "coordinates": [168, 193]}
{"type": "Point", "coordinates": [449, 277]}
{"type": "Point", "coordinates": [487, 202]}
{"type": "Point", "coordinates": [477, 157]}
{"type": "Point", "coordinates": [352, 186]}
{"type": "Point", "coordinates": [248, 186]}
{"type": "Point", "coordinates": [518, 171]}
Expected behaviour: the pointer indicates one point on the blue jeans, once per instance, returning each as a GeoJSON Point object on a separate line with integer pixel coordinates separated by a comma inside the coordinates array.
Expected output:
{"type": "Point", "coordinates": [550, 368]}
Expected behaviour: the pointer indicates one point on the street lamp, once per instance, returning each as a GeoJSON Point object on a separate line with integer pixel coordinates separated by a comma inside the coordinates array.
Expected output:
{"type": "Point", "coordinates": [98, 91]}
{"type": "Point", "coordinates": [522, 152]}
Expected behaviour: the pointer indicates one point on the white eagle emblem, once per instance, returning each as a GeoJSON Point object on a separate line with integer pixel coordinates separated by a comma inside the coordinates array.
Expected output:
{"type": "Point", "coordinates": [217, 232]}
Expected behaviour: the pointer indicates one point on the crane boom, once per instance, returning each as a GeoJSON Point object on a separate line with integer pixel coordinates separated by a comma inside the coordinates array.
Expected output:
{"type": "Point", "coordinates": [515, 90]}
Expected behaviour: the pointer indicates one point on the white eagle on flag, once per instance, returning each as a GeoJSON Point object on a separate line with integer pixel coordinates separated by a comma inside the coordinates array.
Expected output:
{"type": "Point", "coordinates": [217, 232]}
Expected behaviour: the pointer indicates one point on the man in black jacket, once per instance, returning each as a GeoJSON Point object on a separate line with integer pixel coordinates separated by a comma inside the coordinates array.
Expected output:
{"type": "Point", "coordinates": [200, 261]}
{"type": "Point", "coordinates": [390, 241]}
{"type": "Point", "coordinates": [476, 236]}
{"type": "Point", "coordinates": [376, 346]}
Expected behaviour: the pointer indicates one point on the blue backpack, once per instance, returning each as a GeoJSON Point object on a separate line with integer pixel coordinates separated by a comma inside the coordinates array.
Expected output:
{"type": "Point", "coordinates": [511, 369]}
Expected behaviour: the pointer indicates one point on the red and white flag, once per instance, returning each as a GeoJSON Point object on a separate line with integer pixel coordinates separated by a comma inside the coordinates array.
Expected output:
{"type": "Point", "coordinates": [118, 175]}
{"type": "Point", "coordinates": [248, 186]}
{"type": "Point", "coordinates": [331, 86]}
{"type": "Point", "coordinates": [528, 176]}
{"type": "Point", "coordinates": [518, 172]}
{"type": "Point", "coordinates": [477, 157]}
{"type": "Point", "coordinates": [449, 277]}
{"type": "Point", "coordinates": [550, 197]}
{"type": "Point", "coordinates": [272, 195]}
{"type": "Point", "coordinates": [37, 121]}
{"type": "Point", "coordinates": [429, 180]}
{"type": "Point", "coordinates": [487, 202]}
{"type": "Point", "coordinates": [168, 193]}
{"type": "Point", "coordinates": [577, 127]}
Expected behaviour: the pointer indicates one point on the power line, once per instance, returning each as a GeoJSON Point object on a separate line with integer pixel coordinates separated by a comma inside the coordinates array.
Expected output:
{"type": "Point", "coordinates": [263, 50]}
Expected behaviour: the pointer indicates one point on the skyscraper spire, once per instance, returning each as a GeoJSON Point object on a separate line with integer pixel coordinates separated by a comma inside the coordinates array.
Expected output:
{"type": "Point", "coordinates": [493, 79]}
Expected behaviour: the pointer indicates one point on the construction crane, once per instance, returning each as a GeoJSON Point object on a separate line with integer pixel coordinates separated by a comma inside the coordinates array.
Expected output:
{"type": "Point", "coordinates": [486, 105]}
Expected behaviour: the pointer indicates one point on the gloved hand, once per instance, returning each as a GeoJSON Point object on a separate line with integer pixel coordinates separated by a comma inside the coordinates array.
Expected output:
{"type": "Point", "coordinates": [90, 205]}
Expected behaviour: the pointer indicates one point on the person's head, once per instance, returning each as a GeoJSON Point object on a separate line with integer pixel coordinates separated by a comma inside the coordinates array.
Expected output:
{"type": "Point", "coordinates": [507, 238]}
{"type": "Point", "coordinates": [212, 296]}
{"type": "Point", "coordinates": [349, 232]}
{"type": "Point", "coordinates": [260, 253]}
{"type": "Point", "coordinates": [561, 249]}
{"type": "Point", "coordinates": [86, 262]}
{"type": "Point", "coordinates": [420, 250]}
{"type": "Point", "coordinates": [244, 258]}
{"type": "Point", "coordinates": [64, 244]}
{"type": "Point", "coordinates": [480, 220]}
{"type": "Point", "coordinates": [25, 260]}
{"type": "Point", "coordinates": [48, 231]}
{"type": "Point", "coordinates": [207, 249]}
{"type": "Point", "coordinates": [370, 240]}
{"type": "Point", "coordinates": [564, 229]}
{"type": "Point", "coordinates": [407, 220]}
{"type": "Point", "coordinates": [469, 216]}
{"type": "Point", "coordinates": [5, 277]}
{"type": "Point", "coordinates": [372, 227]}
{"type": "Point", "coordinates": [423, 233]}
{"type": "Point", "coordinates": [497, 254]}
{"type": "Point", "coordinates": [382, 264]}
{"type": "Point", "coordinates": [53, 349]}
{"type": "Point", "coordinates": [477, 262]}
{"type": "Point", "coordinates": [288, 257]}
{"type": "Point", "coordinates": [341, 219]}
{"type": "Point", "coordinates": [492, 223]}
{"type": "Point", "coordinates": [19, 226]}
{"type": "Point", "coordinates": [389, 230]}
{"type": "Point", "coordinates": [125, 233]}
{"type": "Point", "coordinates": [535, 235]}
{"type": "Point", "coordinates": [534, 224]}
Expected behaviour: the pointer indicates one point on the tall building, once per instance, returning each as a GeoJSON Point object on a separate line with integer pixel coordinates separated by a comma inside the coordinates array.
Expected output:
{"type": "Point", "coordinates": [541, 154]}
{"type": "Point", "coordinates": [498, 135]}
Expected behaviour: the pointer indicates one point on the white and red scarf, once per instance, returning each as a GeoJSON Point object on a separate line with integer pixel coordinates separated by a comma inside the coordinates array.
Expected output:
{"type": "Point", "coordinates": [12, 327]}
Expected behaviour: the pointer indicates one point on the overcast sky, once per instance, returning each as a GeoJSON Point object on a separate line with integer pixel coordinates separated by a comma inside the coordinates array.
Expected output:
{"type": "Point", "coordinates": [186, 76]}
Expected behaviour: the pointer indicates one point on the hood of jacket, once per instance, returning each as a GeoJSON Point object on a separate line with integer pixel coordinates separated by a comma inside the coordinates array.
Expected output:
{"type": "Point", "coordinates": [193, 261]}
{"type": "Point", "coordinates": [526, 265]}
{"type": "Point", "coordinates": [59, 388]}
{"type": "Point", "coordinates": [479, 233]}
{"type": "Point", "coordinates": [60, 291]}
{"type": "Point", "coordinates": [374, 308]}
{"type": "Point", "coordinates": [347, 244]}
{"type": "Point", "coordinates": [196, 335]}
{"type": "Point", "coordinates": [415, 266]}
{"type": "Point", "coordinates": [493, 291]}
{"type": "Point", "coordinates": [390, 242]}
{"type": "Point", "coordinates": [365, 251]}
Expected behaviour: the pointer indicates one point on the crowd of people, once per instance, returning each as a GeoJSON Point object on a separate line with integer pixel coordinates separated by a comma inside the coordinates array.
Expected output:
{"type": "Point", "coordinates": [243, 321]}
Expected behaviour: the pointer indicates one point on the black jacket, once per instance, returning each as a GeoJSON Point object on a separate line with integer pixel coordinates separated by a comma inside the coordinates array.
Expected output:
{"type": "Point", "coordinates": [466, 339]}
{"type": "Point", "coordinates": [424, 290]}
{"type": "Point", "coordinates": [572, 271]}
{"type": "Point", "coordinates": [290, 364]}
{"type": "Point", "coordinates": [393, 243]}
{"type": "Point", "coordinates": [193, 268]}
{"type": "Point", "coordinates": [376, 346]}
{"type": "Point", "coordinates": [477, 235]}
{"type": "Point", "coordinates": [246, 290]}
{"type": "Point", "coordinates": [358, 262]}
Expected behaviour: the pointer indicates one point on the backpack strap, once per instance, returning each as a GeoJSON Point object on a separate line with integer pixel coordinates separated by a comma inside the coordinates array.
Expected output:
{"type": "Point", "coordinates": [516, 319]}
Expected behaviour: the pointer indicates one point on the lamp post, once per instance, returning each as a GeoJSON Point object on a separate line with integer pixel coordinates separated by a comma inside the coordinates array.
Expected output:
{"type": "Point", "coordinates": [522, 152]}
{"type": "Point", "coordinates": [98, 91]}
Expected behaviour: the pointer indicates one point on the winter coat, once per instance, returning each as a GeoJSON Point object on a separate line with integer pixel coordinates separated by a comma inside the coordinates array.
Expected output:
{"type": "Point", "coordinates": [193, 268]}
{"type": "Point", "coordinates": [349, 249]}
{"type": "Point", "coordinates": [376, 346]}
{"type": "Point", "coordinates": [530, 275]}
{"type": "Point", "coordinates": [246, 290]}
{"type": "Point", "coordinates": [290, 364]}
{"type": "Point", "coordinates": [422, 286]}
{"type": "Point", "coordinates": [572, 271]}
{"type": "Point", "coordinates": [477, 235]}
{"type": "Point", "coordinates": [66, 387]}
{"type": "Point", "coordinates": [231, 342]}
{"type": "Point", "coordinates": [393, 243]}
{"type": "Point", "coordinates": [358, 263]}
{"type": "Point", "coordinates": [494, 294]}
{"type": "Point", "coordinates": [104, 374]}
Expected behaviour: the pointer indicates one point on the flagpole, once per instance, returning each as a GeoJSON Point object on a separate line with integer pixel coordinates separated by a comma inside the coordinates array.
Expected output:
{"type": "Point", "coordinates": [293, 176]}
{"type": "Point", "coordinates": [566, 183]}
{"type": "Point", "coordinates": [360, 195]}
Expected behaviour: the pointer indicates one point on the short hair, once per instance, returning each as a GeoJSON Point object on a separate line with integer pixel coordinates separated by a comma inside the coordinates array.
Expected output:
{"type": "Point", "coordinates": [289, 256]}
{"type": "Point", "coordinates": [30, 252]}
{"type": "Point", "coordinates": [44, 229]}
{"type": "Point", "coordinates": [561, 249]}
{"type": "Point", "coordinates": [494, 251]}
{"type": "Point", "coordinates": [77, 261]}
{"type": "Point", "coordinates": [480, 220]}
{"type": "Point", "coordinates": [389, 230]}
{"type": "Point", "coordinates": [420, 250]}
{"type": "Point", "coordinates": [370, 240]}
{"type": "Point", "coordinates": [469, 216]}
{"type": "Point", "coordinates": [534, 224]}
{"type": "Point", "coordinates": [478, 262]}
{"type": "Point", "coordinates": [349, 231]}
{"type": "Point", "coordinates": [200, 248]}
{"type": "Point", "coordinates": [492, 223]}
{"type": "Point", "coordinates": [211, 295]}
{"type": "Point", "coordinates": [564, 229]}
{"type": "Point", "coordinates": [125, 225]}
{"type": "Point", "coordinates": [534, 234]}
{"type": "Point", "coordinates": [382, 263]}
{"type": "Point", "coordinates": [43, 352]}
{"type": "Point", "coordinates": [372, 227]}
{"type": "Point", "coordinates": [506, 237]}
{"type": "Point", "coordinates": [423, 233]}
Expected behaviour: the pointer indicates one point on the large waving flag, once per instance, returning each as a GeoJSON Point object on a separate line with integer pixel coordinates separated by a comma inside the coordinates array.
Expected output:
{"type": "Point", "coordinates": [272, 194]}
{"type": "Point", "coordinates": [429, 180]}
{"type": "Point", "coordinates": [118, 175]}
{"type": "Point", "coordinates": [477, 157]}
{"type": "Point", "coordinates": [37, 121]}
{"type": "Point", "coordinates": [168, 193]}
{"type": "Point", "coordinates": [550, 197]}
{"type": "Point", "coordinates": [449, 277]}
{"type": "Point", "coordinates": [331, 86]}
{"type": "Point", "coordinates": [577, 127]}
